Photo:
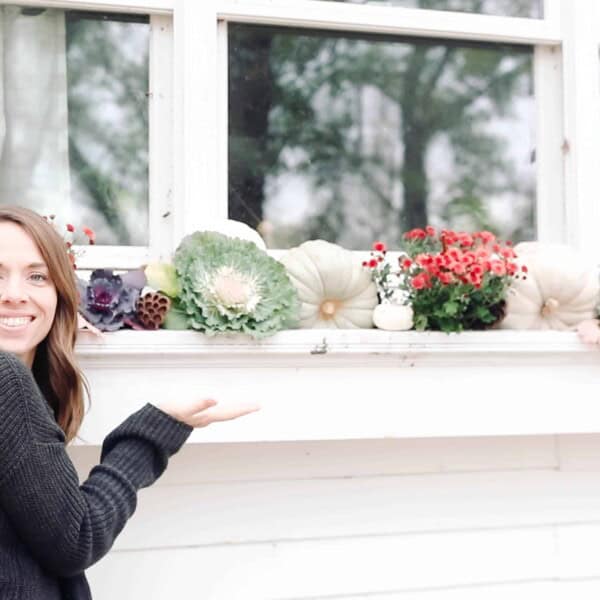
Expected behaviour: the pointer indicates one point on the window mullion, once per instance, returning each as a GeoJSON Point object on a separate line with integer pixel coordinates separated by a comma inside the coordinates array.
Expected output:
{"type": "Point", "coordinates": [222, 121]}
{"type": "Point", "coordinates": [196, 156]}
{"type": "Point", "coordinates": [160, 163]}
{"type": "Point", "coordinates": [548, 148]}
{"type": "Point", "coordinates": [582, 124]}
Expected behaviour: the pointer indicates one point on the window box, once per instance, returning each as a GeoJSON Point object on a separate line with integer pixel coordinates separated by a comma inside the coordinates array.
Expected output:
{"type": "Point", "coordinates": [352, 384]}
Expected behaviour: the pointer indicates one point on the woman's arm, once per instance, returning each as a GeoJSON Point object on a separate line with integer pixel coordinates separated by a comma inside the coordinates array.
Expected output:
{"type": "Point", "coordinates": [68, 527]}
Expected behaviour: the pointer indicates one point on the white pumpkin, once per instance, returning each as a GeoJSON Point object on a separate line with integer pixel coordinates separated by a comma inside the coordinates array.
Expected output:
{"type": "Point", "coordinates": [559, 290]}
{"type": "Point", "coordinates": [335, 291]}
{"type": "Point", "coordinates": [235, 229]}
{"type": "Point", "coordinates": [393, 317]}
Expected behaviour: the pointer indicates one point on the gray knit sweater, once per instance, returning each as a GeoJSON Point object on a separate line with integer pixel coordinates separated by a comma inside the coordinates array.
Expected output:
{"type": "Point", "coordinates": [51, 528]}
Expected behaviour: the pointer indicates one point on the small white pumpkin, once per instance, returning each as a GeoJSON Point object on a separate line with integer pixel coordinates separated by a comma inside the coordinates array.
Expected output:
{"type": "Point", "coordinates": [393, 317]}
{"type": "Point", "coordinates": [559, 290]}
{"type": "Point", "coordinates": [235, 229]}
{"type": "Point", "coordinates": [335, 291]}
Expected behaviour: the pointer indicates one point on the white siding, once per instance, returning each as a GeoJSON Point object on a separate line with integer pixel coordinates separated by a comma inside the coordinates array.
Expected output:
{"type": "Point", "coordinates": [439, 519]}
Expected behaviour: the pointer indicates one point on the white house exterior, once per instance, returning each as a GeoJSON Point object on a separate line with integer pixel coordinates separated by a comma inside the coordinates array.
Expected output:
{"type": "Point", "coordinates": [382, 465]}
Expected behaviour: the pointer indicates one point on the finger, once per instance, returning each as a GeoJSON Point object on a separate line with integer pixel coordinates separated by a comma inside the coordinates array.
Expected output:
{"type": "Point", "coordinates": [201, 405]}
{"type": "Point", "coordinates": [223, 413]}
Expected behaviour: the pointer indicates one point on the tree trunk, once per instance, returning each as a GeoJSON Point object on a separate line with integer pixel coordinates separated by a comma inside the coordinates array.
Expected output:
{"type": "Point", "coordinates": [250, 100]}
{"type": "Point", "coordinates": [414, 179]}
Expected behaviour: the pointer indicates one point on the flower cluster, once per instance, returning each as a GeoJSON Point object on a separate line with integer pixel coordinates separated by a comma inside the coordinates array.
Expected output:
{"type": "Point", "coordinates": [68, 237]}
{"type": "Point", "coordinates": [453, 280]}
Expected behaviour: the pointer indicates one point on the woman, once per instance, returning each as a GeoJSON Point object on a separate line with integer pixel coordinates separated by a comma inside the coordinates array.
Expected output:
{"type": "Point", "coordinates": [51, 528]}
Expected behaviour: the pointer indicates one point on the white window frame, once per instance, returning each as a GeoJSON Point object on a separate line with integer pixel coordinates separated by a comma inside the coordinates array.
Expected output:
{"type": "Point", "coordinates": [161, 211]}
{"type": "Point", "coordinates": [188, 116]}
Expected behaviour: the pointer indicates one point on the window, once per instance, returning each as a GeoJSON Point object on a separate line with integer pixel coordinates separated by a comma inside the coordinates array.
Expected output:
{"type": "Point", "coordinates": [547, 128]}
{"type": "Point", "coordinates": [75, 113]}
{"type": "Point", "coordinates": [351, 138]}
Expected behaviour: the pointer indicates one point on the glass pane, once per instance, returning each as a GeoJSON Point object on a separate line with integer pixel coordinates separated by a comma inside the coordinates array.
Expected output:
{"type": "Point", "coordinates": [74, 118]}
{"type": "Point", "coordinates": [351, 138]}
{"type": "Point", "coordinates": [503, 8]}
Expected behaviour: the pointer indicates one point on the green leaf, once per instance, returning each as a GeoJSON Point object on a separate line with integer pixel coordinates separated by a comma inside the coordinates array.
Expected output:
{"type": "Point", "coordinates": [451, 308]}
{"type": "Point", "coordinates": [420, 322]}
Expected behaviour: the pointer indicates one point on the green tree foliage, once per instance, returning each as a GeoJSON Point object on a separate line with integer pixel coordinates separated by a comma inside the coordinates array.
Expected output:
{"type": "Point", "coordinates": [107, 69]}
{"type": "Point", "coordinates": [320, 92]}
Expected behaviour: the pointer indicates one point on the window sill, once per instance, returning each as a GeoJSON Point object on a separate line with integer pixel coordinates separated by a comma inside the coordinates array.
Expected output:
{"type": "Point", "coordinates": [352, 384]}
{"type": "Point", "coordinates": [329, 342]}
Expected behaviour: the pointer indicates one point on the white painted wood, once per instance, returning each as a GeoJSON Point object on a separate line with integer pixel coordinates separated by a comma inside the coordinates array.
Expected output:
{"type": "Point", "coordinates": [578, 545]}
{"type": "Point", "coordinates": [196, 155]}
{"type": "Point", "coordinates": [549, 158]}
{"type": "Point", "coordinates": [548, 590]}
{"type": "Point", "coordinates": [311, 530]}
{"type": "Point", "coordinates": [243, 462]}
{"type": "Point", "coordinates": [222, 197]}
{"type": "Point", "coordinates": [367, 385]}
{"type": "Point", "coordinates": [339, 566]}
{"type": "Point", "coordinates": [137, 6]}
{"type": "Point", "coordinates": [395, 20]}
{"type": "Point", "coordinates": [494, 348]}
{"type": "Point", "coordinates": [212, 514]}
{"type": "Point", "coordinates": [161, 169]}
{"type": "Point", "coordinates": [582, 122]}
{"type": "Point", "coordinates": [579, 452]}
{"type": "Point", "coordinates": [552, 11]}
{"type": "Point", "coordinates": [309, 404]}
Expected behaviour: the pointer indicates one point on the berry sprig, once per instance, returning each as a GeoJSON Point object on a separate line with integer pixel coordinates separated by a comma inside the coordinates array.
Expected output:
{"type": "Point", "coordinates": [68, 237]}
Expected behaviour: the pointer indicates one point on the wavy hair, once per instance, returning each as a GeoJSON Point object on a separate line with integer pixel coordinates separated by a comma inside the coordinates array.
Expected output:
{"type": "Point", "coordinates": [55, 367]}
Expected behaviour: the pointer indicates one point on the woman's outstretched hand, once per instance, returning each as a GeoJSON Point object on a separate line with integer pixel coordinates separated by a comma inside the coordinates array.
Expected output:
{"type": "Point", "coordinates": [200, 413]}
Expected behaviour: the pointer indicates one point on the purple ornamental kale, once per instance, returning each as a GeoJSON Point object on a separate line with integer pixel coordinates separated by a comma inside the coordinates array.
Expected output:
{"type": "Point", "coordinates": [108, 301]}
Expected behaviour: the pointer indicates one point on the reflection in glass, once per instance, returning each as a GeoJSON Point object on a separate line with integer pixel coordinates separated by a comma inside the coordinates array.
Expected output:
{"type": "Point", "coordinates": [504, 8]}
{"type": "Point", "coordinates": [351, 138]}
{"type": "Point", "coordinates": [74, 118]}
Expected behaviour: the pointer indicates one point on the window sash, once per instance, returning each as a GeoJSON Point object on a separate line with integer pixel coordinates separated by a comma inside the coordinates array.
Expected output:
{"type": "Point", "coordinates": [567, 94]}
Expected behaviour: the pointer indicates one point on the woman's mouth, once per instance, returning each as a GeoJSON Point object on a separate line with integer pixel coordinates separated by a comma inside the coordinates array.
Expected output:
{"type": "Point", "coordinates": [15, 322]}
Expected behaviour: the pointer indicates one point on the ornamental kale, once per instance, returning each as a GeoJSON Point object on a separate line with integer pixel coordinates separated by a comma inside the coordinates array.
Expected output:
{"type": "Point", "coordinates": [108, 301]}
{"type": "Point", "coordinates": [230, 285]}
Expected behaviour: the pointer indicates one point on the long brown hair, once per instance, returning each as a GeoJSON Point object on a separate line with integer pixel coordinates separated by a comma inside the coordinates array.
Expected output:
{"type": "Point", "coordinates": [55, 366]}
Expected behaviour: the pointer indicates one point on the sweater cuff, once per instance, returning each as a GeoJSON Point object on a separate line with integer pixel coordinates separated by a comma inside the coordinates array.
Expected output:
{"type": "Point", "coordinates": [151, 424]}
{"type": "Point", "coordinates": [169, 432]}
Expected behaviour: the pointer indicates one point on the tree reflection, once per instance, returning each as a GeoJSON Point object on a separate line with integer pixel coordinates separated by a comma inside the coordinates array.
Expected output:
{"type": "Point", "coordinates": [377, 135]}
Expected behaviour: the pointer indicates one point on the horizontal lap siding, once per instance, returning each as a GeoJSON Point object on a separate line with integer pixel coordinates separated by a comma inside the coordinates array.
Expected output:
{"type": "Point", "coordinates": [431, 518]}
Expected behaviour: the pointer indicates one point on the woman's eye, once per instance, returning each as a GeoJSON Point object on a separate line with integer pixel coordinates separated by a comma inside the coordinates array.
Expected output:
{"type": "Point", "coordinates": [38, 277]}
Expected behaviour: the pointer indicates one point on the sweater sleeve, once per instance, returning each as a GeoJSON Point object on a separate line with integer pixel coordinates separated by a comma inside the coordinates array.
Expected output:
{"type": "Point", "coordinates": [68, 526]}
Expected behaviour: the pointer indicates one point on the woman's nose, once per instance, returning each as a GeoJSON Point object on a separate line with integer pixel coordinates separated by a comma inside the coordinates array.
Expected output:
{"type": "Point", "coordinates": [12, 289]}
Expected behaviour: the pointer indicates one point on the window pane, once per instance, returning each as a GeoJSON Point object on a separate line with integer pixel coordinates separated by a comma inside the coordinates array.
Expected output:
{"type": "Point", "coordinates": [351, 138]}
{"type": "Point", "coordinates": [74, 118]}
{"type": "Point", "coordinates": [505, 8]}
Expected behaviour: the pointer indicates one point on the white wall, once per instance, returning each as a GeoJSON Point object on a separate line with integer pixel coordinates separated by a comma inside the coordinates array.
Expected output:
{"type": "Point", "coordinates": [432, 519]}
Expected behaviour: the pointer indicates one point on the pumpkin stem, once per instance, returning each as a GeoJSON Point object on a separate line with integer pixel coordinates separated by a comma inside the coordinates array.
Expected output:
{"type": "Point", "coordinates": [550, 306]}
{"type": "Point", "coordinates": [328, 308]}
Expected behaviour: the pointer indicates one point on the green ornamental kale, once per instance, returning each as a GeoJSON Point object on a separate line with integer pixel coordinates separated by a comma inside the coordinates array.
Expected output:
{"type": "Point", "coordinates": [230, 285]}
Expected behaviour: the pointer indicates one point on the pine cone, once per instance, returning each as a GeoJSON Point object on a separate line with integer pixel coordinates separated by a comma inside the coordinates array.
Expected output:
{"type": "Point", "coordinates": [152, 309]}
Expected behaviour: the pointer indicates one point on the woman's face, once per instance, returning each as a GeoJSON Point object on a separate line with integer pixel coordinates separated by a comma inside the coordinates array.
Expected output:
{"type": "Point", "coordinates": [27, 294]}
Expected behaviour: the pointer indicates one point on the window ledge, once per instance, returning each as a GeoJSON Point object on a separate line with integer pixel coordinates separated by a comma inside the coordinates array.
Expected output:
{"type": "Point", "coordinates": [314, 343]}
{"type": "Point", "coordinates": [352, 384]}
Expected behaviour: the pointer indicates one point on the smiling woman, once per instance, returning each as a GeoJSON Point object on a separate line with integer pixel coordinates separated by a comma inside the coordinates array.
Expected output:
{"type": "Point", "coordinates": [53, 528]}
{"type": "Point", "coordinates": [28, 294]}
